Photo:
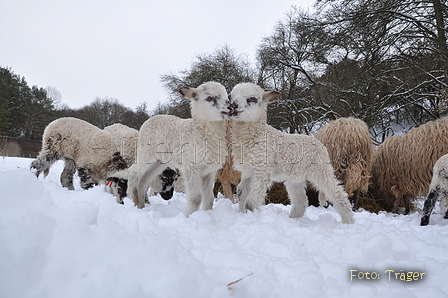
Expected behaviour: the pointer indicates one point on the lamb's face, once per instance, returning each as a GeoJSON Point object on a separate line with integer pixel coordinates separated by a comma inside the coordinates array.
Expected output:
{"type": "Point", "coordinates": [168, 178]}
{"type": "Point", "coordinates": [209, 101]}
{"type": "Point", "coordinates": [248, 102]}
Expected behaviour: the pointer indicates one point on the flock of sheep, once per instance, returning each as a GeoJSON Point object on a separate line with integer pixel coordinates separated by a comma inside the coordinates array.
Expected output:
{"type": "Point", "coordinates": [228, 142]}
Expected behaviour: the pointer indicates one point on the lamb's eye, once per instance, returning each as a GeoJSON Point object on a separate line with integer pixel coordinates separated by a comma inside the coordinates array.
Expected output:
{"type": "Point", "coordinates": [209, 99]}
{"type": "Point", "coordinates": [252, 100]}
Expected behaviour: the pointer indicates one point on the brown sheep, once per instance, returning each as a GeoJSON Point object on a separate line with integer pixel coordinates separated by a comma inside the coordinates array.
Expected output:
{"type": "Point", "coordinates": [227, 177]}
{"type": "Point", "coordinates": [402, 165]}
{"type": "Point", "coordinates": [350, 148]}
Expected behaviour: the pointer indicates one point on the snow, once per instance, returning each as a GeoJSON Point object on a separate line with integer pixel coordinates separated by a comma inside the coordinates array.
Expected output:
{"type": "Point", "coordinates": [60, 243]}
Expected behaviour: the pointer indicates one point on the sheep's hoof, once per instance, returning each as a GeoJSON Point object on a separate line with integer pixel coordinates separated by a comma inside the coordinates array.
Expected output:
{"type": "Point", "coordinates": [249, 207]}
{"type": "Point", "coordinates": [425, 220]}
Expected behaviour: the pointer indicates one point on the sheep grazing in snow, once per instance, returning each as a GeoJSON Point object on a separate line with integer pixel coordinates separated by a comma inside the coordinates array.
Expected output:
{"type": "Point", "coordinates": [227, 177]}
{"type": "Point", "coordinates": [83, 146]}
{"type": "Point", "coordinates": [438, 189]}
{"type": "Point", "coordinates": [163, 184]}
{"type": "Point", "coordinates": [263, 154]}
{"type": "Point", "coordinates": [126, 140]}
{"type": "Point", "coordinates": [350, 148]}
{"type": "Point", "coordinates": [402, 165]}
{"type": "Point", "coordinates": [196, 147]}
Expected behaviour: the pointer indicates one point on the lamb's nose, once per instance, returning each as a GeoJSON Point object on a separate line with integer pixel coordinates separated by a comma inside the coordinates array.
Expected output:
{"type": "Point", "coordinates": [232, 107]}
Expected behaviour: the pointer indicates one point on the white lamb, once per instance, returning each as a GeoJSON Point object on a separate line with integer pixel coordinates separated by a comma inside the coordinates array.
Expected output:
{"type": "Point", "coordinates": [437, 190]}
{"type": "Point", "coordinates": [83, 146]}
{"type": "Point", "coordinates": [263, 155]}
{"type": "Point", "coordinates": [196, 147]}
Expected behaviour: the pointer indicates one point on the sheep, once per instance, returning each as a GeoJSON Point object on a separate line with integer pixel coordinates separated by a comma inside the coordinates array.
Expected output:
{"type": "Point", "coordinates": [82, 146]}
{"type": "Point", "coordinates": [402, 165]}
{"type": "Point", "coordinates": [438, 189]}
{"type": "Point", "coordinates": [125, 140]}
{"type": "Point", "coordinates": [263, 154]}
{"type": "Point", "coordinates": [196, 146]}
{"type": "Point", "coordinates": [350, 148]}
{"type": "Point", "coordinates": [227, 177]}
{"type": "Point", "coordinates": [117, 184]}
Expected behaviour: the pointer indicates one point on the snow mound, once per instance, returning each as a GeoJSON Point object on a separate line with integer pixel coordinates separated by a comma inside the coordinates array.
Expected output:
{"type": "Point", "coordinates": [60, 243]}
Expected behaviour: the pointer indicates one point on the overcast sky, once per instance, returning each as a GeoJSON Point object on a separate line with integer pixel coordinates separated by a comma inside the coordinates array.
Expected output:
{"type": "Point", "coordinates": [119, 48]}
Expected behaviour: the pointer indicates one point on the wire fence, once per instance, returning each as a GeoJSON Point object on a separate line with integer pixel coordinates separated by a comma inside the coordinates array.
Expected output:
{"type": "Point", "coordinates": [19, 147]}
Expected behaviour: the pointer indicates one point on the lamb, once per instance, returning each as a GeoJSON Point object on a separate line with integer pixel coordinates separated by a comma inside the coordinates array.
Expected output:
{"type": "Point", "coordinates": [117, 184]}
{"type": "Point", "coordinates": [227, 177]}
{"type": "Point", "coordinates": [263, 154]}
{"type": "Point", "coordinates": [402, 165]}
{"type": "Point", "coordinates": [196, 147]}
{"type": "Point", "coordinates": [82, 146]}
{"type": "Point", "coordinates": [437, 189]}
{"type": "Point", "coordinates": [350, 148]}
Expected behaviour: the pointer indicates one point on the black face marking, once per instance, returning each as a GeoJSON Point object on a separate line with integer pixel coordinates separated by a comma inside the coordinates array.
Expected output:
{"type": "Point", "coordinates": [213, 100]}
{"type": "Point", "coordinates": [168, 178]}
{"type": "Point", "coordinates": [233, 109]}
{"type": "Point", "coordinates": [122, 185]}
{"type": "Point", "coordinates": [443, 173]}
{"type": "Point", "coordinates": [85, 176]}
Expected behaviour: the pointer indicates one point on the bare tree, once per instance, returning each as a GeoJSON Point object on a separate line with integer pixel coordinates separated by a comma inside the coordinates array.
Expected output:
{"type": "Point", "coordinates": [223, 66]}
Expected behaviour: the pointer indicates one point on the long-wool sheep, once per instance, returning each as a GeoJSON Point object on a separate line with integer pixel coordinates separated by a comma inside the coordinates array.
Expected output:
{"type": "Point", "coordinates": [196, 147]}
{"type": "Point", "coordinates": [263, 154]}
{"type": "Point", "coordinates": [438, 189]}
{"type": "Point", "coordinates": [227, 177]}
{"type": "Point", "coordinates": [125, 140]}
{"type": "Point", "coordinates": [402, 165]}
{"type": "Point", "coordinates": [83, 146]}
{"type": "Point", "coordinates": [350, 148]}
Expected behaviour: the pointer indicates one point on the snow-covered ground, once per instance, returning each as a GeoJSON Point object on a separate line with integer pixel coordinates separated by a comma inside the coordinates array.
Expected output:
{"type": "Point", "coordinates": [60, 243]}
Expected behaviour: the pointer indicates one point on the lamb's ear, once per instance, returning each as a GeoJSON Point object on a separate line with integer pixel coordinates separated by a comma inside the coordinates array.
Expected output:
{"type": "Point", "coordinates": [271, 96]}
{"type": "Point", "coordinates": [187, 92]}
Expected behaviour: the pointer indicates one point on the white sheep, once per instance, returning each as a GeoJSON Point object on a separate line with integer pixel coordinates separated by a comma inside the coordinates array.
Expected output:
{"type": "Point", "coordinates": [438, 189]}
{"type": "Point", "coordinates": [196, 147]}
{"type": "Point", "coordinates": [83, 146]}
{"type": "Point", "coordinates": [263, 154]}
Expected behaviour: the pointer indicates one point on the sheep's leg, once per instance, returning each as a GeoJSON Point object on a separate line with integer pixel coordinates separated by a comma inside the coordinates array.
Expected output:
{"type": "Point", "coordinates": [242, 191]}
{"type": "Point", "coordinates": [335, 194]}
{"type": "Point", "coordinates": [191, 184]}
{"type": "Point", "coordinates": [429, 206]}
{"type": "Point", "coordinates": [207, 191]}
{"type": "Point", "coordinates": [395, 205]}
{"type": "Point", "coordinates": [257, 191]}
{"type": "Point", "coordinates": [146, 174]}
{"type": "Point", "coordinates": [322, 199]}
{"type": "Point", "coordinates": [298, 198]}
{"type": "Point", "coordinates": [68, 173]}
{"type": "Point", "coordinates": [354, 200]}
{"type": "Point", "coordinates": [407, 204]}
{"type": "Point", "coordinates": [444, 202]}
